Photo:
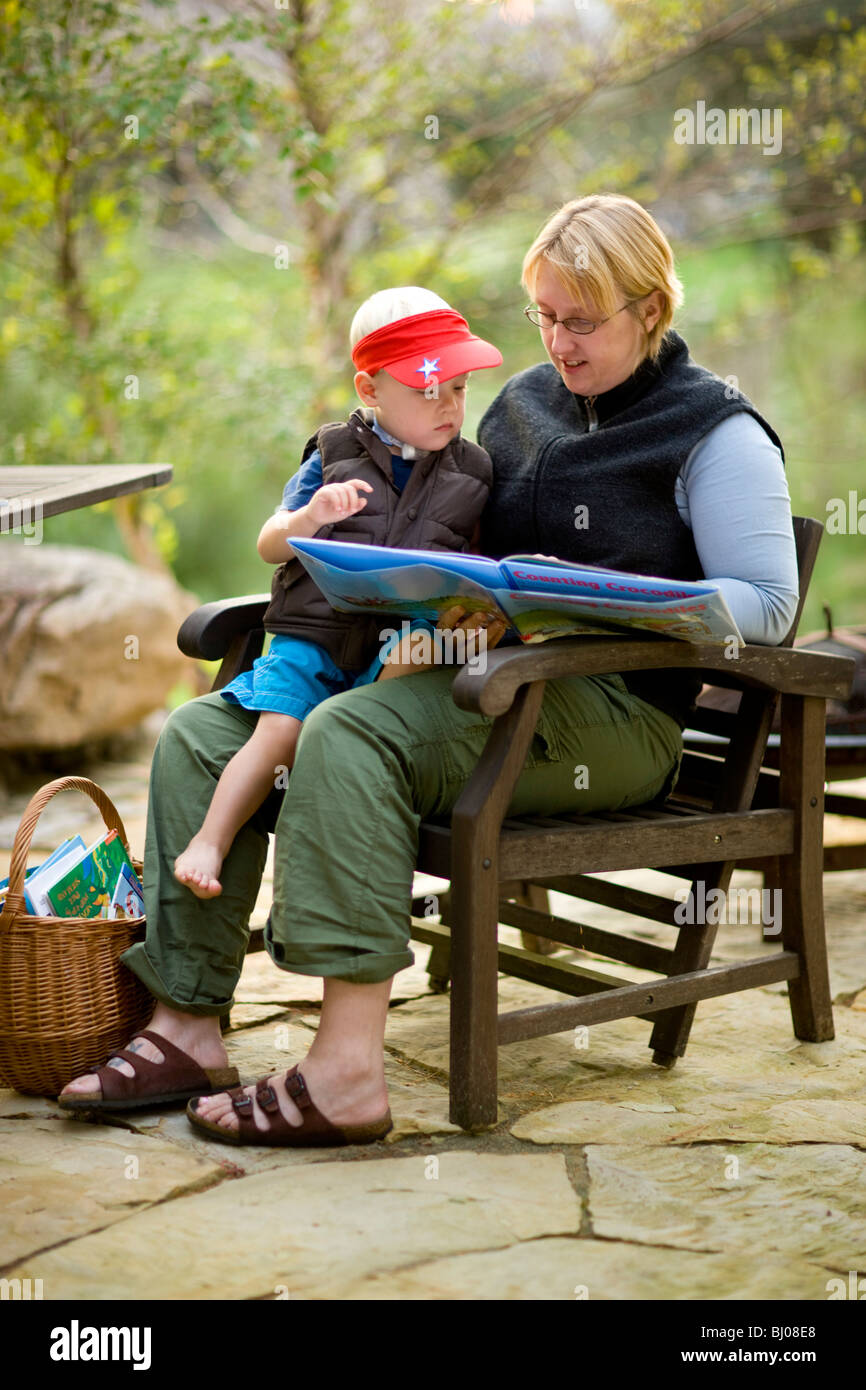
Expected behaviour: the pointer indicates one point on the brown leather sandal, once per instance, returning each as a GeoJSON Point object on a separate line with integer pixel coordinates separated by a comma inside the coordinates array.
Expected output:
{"type": "Point", "coordinates": [314, 1131]}
{"type": "Point", "coordinates": [177, 1077]}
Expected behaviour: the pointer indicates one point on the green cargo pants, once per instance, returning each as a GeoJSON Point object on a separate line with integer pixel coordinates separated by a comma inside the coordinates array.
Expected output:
{"type": "Point", "coordinates": [371, 763]}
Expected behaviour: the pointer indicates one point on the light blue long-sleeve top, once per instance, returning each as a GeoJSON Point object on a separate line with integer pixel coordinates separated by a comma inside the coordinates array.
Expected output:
{"type": "Point", "coordinates": [733, 494]}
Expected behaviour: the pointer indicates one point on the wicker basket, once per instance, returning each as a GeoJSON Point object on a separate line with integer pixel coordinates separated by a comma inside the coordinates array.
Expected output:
{"type": "Point", "coordinates": [66, 1000]}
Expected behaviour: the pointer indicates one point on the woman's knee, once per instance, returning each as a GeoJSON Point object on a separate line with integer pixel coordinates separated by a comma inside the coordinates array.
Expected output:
{"type": "Point", "coordinates": [204, 733]}
{"type": "Point", "coordinates": [362, 716]}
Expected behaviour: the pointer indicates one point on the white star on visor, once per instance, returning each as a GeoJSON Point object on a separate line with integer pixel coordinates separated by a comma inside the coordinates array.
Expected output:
{"type": "Point", "coordinates": [428, 368]}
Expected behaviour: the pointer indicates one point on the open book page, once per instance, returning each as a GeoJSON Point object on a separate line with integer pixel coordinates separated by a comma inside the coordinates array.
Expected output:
{"type": "Point", "coordinates": [414, 588]}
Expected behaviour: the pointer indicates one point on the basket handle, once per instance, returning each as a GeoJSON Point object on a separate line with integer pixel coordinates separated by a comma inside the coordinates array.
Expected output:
{"type": "Point", "coordinates": [35, 806]}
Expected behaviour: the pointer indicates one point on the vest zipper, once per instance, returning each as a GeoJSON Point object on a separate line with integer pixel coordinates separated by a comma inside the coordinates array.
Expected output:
{"type": "Point", "coordinates": [591, 417]}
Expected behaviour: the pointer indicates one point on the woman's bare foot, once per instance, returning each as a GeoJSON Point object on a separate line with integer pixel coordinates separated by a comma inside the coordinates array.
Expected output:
{"type": "Point", "coordinates": [344, 1093]}
{"type": "Point", "coordinates": [200, 1038]}
{"type": "Point", "coordinates": [198, 868]}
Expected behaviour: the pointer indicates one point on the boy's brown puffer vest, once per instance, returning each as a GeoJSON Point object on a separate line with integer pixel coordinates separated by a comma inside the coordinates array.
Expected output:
{"type": "Point", "coordinates": [437, 510]}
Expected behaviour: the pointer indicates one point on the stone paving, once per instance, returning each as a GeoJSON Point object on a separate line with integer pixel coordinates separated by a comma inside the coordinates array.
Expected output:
{"type": "Point", "coordinates": [740, 1174]}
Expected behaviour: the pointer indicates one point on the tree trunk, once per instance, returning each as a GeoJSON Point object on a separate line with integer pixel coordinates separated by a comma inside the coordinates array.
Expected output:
{"type": "Point", "coordinates": [136, 534]}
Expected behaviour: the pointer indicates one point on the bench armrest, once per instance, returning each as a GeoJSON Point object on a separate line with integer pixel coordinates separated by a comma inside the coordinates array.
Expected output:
{"type": "Point", "coordinates": [782, 669]}
{"type": "Point", "coordinates": [210, 630]}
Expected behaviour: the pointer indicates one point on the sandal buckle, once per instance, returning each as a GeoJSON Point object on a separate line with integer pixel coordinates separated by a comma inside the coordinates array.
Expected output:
{"type": "Point", "coordinates": [297, 1089]}
{"type": "Point", "coordinates": [267, 1099]}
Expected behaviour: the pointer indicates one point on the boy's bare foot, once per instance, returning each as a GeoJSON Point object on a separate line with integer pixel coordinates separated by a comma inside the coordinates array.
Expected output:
{"type": "Point", "coordinates": [198, 866]}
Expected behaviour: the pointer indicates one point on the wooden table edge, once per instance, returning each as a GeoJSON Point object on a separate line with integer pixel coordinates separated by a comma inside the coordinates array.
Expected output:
{"type": "Point", "coordinates": [156, 475]}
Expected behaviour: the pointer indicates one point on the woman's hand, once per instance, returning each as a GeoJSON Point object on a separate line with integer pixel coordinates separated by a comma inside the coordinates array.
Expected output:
{"type": "Point", "coordinates": [473, 625]}
{"type": "Point", "coordinates": [398, 662]}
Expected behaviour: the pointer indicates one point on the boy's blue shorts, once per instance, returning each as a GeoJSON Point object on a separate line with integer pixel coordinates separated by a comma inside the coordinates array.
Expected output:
{"type": "Point", "coordinates": [293, 677]}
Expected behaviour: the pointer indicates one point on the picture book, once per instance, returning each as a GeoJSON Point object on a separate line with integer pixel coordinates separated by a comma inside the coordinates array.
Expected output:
{"type": "Point", "coordinates": [127, 899]}
{"type": "Point", "coordinates": [41, 878]}
{"type": "Point", "coordinates": [89, 884]}
{"type": "Point", "coordinates": [539, 599]}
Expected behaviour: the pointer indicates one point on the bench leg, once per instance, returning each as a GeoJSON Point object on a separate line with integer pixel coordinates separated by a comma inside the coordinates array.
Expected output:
{"type": "Point", "coordinates": [533, 895]}
{"type": "Point", "coordinates": [801, 873]}
{"type": "Point", "coordinates": [439, 963]}
{"type": "Point", "coordinates": [474, 993]}
{"type": "Point", "coordinates": [476, 822]}
{"type": "Point", "coordinates": [670, 1034]}
{"type": "Point", "coordinates": [772, 882]}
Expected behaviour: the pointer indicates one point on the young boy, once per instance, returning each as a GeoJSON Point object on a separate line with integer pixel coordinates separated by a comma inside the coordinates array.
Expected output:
{"type": "Point", "coordinates": [396, 473]}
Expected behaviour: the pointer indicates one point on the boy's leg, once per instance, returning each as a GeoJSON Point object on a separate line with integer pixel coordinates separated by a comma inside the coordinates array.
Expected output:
{"type": "Point", "coordinates": [248, 778]}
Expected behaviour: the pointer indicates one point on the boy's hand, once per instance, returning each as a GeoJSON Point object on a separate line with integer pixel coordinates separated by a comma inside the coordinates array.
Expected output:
{"type": "Point", "coordinates": [336, 501]}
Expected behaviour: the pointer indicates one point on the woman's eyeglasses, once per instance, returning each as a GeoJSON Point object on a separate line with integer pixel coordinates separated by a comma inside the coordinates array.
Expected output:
{"type": "Point", "coordinates": [544, 320]}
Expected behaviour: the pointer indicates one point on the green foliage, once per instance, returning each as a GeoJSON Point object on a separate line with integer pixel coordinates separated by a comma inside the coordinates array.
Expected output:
{"type": "Point", "coordinates": [409, 144]}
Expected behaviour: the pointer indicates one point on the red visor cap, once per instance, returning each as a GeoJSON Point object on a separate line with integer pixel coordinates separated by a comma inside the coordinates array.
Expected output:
{"type": "Point", "coordinates": [423, 347]}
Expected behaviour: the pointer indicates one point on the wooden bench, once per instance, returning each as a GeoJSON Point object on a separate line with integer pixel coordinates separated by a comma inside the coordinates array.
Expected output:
{"type": "Point", "coordinates": [699, 834]}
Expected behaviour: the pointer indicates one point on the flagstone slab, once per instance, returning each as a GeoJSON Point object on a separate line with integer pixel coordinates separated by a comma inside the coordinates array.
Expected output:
{"type": "Point", "coordinates": [262, 983]}
{"type": "Point", "coordinates": [808, 1201]}
{"type": "Point", "coordinates": [246, 1015]}
{"type": "Point", "coordinates": [317, 1227]}
{"type": "Point", "coordinates": [556, 1268]}
{"type": "Point", "coordinates": [237, 1161]}
{"type": "Point", "coordinates": [59, 1181]}
{"type": "Point", "coordinates": [742, 1054]}
{"type": "Point", "coordinates": [14, 1106]}
{"type": "Point", "coordinates": [271, 1047]}
{"type": "Point", "coordinates": [845, 915]}
{"type": "Point", "coordinates": [794, 1122]}
{"type": "Point", "coordinates": [784, 1092]}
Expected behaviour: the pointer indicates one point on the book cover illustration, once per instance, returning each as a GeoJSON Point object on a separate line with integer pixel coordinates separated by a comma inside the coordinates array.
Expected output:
{"type": "Point", "coordinates": [88, 886]}
{"type": "Point", "coordinates": [41, 878]}
{"type": "Point", "coordinates": [127, 899]}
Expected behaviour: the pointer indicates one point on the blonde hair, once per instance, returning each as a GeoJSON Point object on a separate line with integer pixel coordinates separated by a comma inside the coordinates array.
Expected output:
{"type": "Point", "coordinates": [604, 247]}
{"type": "Point", "coordinates": [387, 306]}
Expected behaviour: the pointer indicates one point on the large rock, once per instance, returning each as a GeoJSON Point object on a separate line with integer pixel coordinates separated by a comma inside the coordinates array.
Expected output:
{"type": "Point", "coordinates": [89, 644]}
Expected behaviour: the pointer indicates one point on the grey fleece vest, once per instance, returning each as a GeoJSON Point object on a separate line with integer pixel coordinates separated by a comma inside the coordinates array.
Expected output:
{"type": "Point", "coordinates": [438, 509]}
{"type": "Point", "coordinates": [591, 479]}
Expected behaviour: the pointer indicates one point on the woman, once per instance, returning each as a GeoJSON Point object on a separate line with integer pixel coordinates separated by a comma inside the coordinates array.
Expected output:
{"type": "Point", "coordinates": [618, 451]}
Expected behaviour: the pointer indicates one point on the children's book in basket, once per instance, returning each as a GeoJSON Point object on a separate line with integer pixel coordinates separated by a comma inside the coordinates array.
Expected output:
{"type": "Point", "coordinates": [81, 881]}
{"type": "Point", "coordinates": [88, 886]}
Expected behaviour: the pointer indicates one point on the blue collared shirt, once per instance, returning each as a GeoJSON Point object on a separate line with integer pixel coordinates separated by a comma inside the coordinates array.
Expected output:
{"type": "Point", "coordinates": [308, 479]}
